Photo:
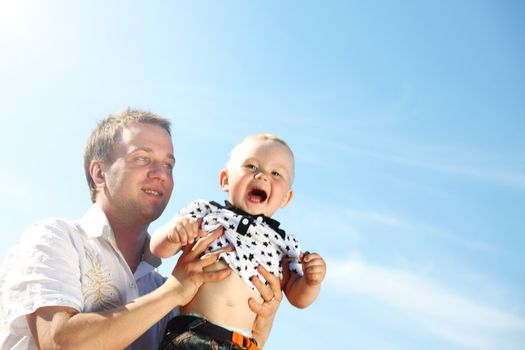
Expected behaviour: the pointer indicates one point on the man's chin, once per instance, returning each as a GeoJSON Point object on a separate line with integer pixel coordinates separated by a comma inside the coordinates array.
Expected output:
{"type": "Point", "coordinates": [154, 213]}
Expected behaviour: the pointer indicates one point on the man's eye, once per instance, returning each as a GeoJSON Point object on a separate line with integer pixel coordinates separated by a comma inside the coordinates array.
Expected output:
{"type": "Point", "coordinates": [168, 166]}
{"type": "Point", "coordinates": [143, 160]}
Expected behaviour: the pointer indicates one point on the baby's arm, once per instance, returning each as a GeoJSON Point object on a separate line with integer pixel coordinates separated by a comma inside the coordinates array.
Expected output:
{"type": "Point", "coordinates": [170, 238]}
{"type": "Point", "coordinates": [302, 291]}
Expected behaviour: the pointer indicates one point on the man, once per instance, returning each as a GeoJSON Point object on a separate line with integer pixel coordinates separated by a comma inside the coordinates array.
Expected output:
{"type": "Point", "coordinates": [92, 283]}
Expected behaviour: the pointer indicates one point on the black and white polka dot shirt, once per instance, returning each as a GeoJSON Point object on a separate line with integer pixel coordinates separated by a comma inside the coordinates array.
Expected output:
{"type": "Point", "coordinates": [257, 239]}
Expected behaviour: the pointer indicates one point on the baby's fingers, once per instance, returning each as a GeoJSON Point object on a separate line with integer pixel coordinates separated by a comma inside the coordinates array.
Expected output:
{"type": "Point", "coordinates": [181, 235]}
{"type": "Point", "coordinates": [308, 257]}
{"type": "Point", "coordinates": [193, 230]}
{"type": "Point", "coordinates": [314, 279]}
{"type": "Point", "coordinates": [314, 267]}
{"type": "Point", "coordinates": [199, 232]}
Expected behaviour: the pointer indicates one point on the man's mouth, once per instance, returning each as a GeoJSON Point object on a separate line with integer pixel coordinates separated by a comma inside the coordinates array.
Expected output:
{"type": "Point", "coordinates": [257, 195]}
{"type": "Point", "coordinates": [152, 192]}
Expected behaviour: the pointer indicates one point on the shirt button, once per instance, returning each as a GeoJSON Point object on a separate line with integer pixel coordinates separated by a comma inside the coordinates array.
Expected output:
{"type": "Point", "coordinates": [132, 285]}
{"type": "Point", "coordinates": [245, 221]}
{"type": "Point", "coordinates": [259, 219]}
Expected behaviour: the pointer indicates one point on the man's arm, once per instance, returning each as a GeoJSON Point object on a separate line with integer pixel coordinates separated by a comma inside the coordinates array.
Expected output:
{"type": "Point", "coordinates": [65, 328]}
{"type": "Point", "coordinates": [61, 327]}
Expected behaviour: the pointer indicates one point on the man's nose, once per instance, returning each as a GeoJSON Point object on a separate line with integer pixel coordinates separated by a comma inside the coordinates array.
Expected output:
{"type": "Point", "coordinates": [157, 170]}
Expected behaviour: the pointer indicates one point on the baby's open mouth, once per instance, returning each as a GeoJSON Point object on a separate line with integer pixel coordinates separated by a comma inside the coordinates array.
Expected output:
{"type": "Point", "coordinates": [257, 195]}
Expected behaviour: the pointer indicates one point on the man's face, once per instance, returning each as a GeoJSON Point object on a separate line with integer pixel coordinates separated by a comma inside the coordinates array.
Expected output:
{"type": "Point", "coordinates": [138, 180]}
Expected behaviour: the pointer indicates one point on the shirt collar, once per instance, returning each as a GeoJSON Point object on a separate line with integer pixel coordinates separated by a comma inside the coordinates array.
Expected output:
{"type": "Point", "coordinates": [95, 224]}
{"type": "Point", "coordinates": [274, 224]}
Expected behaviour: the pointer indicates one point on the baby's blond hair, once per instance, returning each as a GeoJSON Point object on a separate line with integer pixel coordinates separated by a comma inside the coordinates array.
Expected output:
{"type": "Point", "coordinates": [263, 136]}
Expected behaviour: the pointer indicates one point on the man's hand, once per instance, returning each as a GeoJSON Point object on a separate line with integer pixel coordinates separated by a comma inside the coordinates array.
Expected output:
{"type": "Point", "coordinates": [266, 311]}
{"type": "Point", "coordinates": [189, 272]}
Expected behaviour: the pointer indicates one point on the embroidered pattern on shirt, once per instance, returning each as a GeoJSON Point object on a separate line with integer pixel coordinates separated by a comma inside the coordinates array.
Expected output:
{"type": "Point", "coordinates": [99, 291]}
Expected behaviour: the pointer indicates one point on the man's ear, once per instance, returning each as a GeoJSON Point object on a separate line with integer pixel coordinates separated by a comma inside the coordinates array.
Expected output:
{"type": "Point", "coordinates": [287, 198]}
{"type": "Point", "coordinates": [224, 180]}
{"type": "Point", "coordinates": [96, 170]}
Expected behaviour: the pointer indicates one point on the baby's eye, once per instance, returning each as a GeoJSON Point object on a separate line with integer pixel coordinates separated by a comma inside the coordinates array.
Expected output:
{"type": "Point", "coordinates": [276, 174]}
{"type": "Point", "coordinates": [251, 167]}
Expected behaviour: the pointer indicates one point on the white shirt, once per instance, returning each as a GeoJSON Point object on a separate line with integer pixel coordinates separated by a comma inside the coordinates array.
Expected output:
{"type": "Point", "coordinates": [74, 264]}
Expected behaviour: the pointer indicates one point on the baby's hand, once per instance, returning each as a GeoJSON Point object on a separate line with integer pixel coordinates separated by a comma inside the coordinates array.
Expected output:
{"type": "Point", "coordinates": [314, 268]}
{"type": "Point", "coordinates": [184, 231]}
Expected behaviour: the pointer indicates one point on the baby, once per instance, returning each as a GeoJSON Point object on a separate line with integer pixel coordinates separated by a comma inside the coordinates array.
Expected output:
{"type": "Point", "coordinates": [258, 178]}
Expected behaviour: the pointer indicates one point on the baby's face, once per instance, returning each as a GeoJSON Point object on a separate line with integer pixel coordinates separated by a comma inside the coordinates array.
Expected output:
{"type": "Point", "coordinates": [259, 176]}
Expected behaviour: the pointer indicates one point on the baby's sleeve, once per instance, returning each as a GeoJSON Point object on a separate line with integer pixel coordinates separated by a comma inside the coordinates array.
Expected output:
{"type": "Point", "coordinates": [293, 252]}
{"type": "Point", "coordinates": [197, 209]}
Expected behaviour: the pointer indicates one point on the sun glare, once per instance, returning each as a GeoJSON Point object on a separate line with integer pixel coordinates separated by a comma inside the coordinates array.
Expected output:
{"type": "Point", "coordinates": [11, 18]}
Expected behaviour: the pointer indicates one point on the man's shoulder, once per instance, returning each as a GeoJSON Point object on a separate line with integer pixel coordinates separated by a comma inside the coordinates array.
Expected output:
{"type": "Point", "coordinates": [53, 234]}
{"type": "Point", "coordinates": [51, 227]}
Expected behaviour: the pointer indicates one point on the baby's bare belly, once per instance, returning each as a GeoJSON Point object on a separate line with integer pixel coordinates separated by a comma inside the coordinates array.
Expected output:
{"type": "Point", "coordinates": [225, 302]}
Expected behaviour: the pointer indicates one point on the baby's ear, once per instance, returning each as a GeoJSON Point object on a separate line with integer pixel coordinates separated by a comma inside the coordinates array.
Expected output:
{"type": "Point", "coordinates": [223, 178]}
{"type": "Point", "coordinates": [287, 198]}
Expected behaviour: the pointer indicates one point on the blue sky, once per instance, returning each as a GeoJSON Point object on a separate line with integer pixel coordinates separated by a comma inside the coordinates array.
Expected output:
{"type": "Point", "coordinates": [406, 118]}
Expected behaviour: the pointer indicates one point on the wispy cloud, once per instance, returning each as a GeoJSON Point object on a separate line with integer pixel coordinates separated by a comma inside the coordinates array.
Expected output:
{"type": "Point", "coordinates": [352, 224]}
{"type": "Point", "coordinates": [487, 167]}
{"type": "Point", "coordinates": [444, 314]}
